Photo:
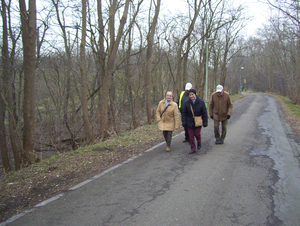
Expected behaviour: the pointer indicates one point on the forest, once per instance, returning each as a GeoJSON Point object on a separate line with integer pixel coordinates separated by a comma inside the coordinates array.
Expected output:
{"type": "Point", "coordinates": [74, 73]}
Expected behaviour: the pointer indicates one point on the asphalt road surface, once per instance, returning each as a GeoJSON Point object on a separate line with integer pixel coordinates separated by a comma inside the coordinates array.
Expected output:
{"type": "Point", "coordinates": [252, 179]}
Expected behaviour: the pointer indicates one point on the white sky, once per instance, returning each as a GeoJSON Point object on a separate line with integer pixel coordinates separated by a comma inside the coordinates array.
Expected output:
{"type": "Point", "coordinates": [260, 12]}
{"type": "Point", "coordinates": [254, 8]}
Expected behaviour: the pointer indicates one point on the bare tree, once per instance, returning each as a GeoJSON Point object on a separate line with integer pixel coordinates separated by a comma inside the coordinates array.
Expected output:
{"type": "Point", "coordinates": [12, 118]}
{"type": "Point", "coordinates": [109, 68]}
{"type": "Point", "coordinates": [99, 50]}
{"type": "Point", "coordinates": [128, 69]}
{"type": "Point", "coordinates": [186, 37]}
{"type": "Point", "coordinates": [63, 26]}
{"type": "Point", "coordinates": [28, 20]}
{"type": "Point", "coordinates": [231, 33]}
{"type": "Point", "coordinates": [3, 81]}
{"type": "Point", "coordinates": [287, 29]}
{"type": "Point", "coordinates": [150, 37]}
{"type": "Point", "coordinates": [85, 113]}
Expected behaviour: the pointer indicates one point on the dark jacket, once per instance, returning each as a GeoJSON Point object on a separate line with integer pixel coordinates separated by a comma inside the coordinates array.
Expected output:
{"type": "Point", "coordinates": [199, 110]}
{"type": "Point", "coordinates": [184, 99]}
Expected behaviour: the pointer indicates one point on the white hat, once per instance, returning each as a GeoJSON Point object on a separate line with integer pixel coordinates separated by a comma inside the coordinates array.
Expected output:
{"type": "Point", "coordinates": [219, 88]}
{"type": "Point", "coordinates": [188, 86]}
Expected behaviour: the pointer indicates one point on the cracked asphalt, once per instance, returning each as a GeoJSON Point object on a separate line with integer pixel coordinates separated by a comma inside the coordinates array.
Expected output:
{"type": "Point", "coordinates": [252, 179]}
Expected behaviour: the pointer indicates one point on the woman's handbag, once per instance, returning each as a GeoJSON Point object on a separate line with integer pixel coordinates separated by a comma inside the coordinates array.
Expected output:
{"type": "Point", "coordinates": [198, 119]}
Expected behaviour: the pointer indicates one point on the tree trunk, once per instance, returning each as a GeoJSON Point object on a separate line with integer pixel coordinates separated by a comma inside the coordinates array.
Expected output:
{"type": "Point", "coordinates": [3, 80]}
{"type": "Point", "coordinates": [10, 101]}
{"type": "Point", "coordinates": [112, 52]}
{"type": "Point", "coordinates": [84, 103]}
{"type": "Point", "coordinates": [28, 21]}
{"type": "Point", "coordinates": [179, 52]}
{"type": "Point", "coordinates": [149, 63]}
{"type": "Point", "coordinates": [100, 54]}
{"type": "Point", "coordinates": [3, 145]}
{"type": "Point", "coordinates": [128, 83]}
{"type": "Point", "coordinates": [68, 73]}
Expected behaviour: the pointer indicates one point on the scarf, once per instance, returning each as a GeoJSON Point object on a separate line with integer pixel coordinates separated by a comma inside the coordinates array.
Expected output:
{"type": "Point", "coordinates": [167, 103]}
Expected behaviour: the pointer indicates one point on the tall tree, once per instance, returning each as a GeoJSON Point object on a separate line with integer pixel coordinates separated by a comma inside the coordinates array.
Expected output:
{"type": "Point", "coordinates": [28, 21]}
{"type": "Point", "coordinates": [10, 101]}
{"type": "Point", "coordinates": [128, 70]}
{"type": "Point", "coordinates": [68, 50]}
{"type": "Point", "coordinates": [186, 37]}
{"type": "Point", "coordinates": [99, 49]}
{"type": "Point", "coordinates": [109, 68]}
{"type": "Point", "coordinates": [231, 33]}
{"type": "Point", "coordinates": [3, 81]}
{"type": "Point", "coordinates": [150, 38]}
{"type": "Point", "coordinates": [84, 103]}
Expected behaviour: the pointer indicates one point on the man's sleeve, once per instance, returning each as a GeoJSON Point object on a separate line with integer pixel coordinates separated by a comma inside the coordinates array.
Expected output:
{"type": "Point", "coordinates": [211, 106]}
{"type": "Point", "coordinates": [230, 106]}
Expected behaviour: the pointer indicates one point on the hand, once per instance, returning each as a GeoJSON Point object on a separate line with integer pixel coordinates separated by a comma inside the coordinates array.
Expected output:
{"type": "Point", "coordinates": [212, 117]}
{"type": "Point", "coordinates": [228, 116]}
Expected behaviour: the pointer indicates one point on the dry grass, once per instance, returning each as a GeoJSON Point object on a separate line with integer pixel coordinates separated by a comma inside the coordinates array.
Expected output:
{"type": "Point", "coordinates": [24, 189]}
{"type": "Point", "coordinates": [291, 113]}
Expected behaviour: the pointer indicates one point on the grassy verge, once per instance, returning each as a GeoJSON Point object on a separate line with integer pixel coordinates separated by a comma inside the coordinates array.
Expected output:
{"type": "Point", "coordinates": [291, 112]}
{"type": "Point", "coordinates": [25, 188]}
{"type": "Point", "coordinates": [294, 109]}
{"type": "Point", "coordinates": [236, 96]}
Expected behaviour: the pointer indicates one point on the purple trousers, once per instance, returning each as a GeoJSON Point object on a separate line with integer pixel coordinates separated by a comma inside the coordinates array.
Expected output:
{"type": "Point", "coordinates": [194, 132]}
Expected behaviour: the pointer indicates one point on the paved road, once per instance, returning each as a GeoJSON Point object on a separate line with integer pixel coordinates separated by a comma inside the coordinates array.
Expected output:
{"type": "Point", "coordinates": [253, 179]}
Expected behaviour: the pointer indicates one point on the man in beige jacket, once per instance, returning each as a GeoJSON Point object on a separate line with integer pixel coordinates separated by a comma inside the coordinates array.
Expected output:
{"type": "Point", "coordinates": [220, 109]}
{"type": "Point", "coordinates": [168, 117]}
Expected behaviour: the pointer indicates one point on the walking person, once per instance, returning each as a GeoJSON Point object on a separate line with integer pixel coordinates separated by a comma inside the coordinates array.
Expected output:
{"type": "Point", "coordinates": [220, 109]}
{"type": "Point", "coordinates": [167, 116]}
{"type": "Point", "coordinates": [184, 96]}
{"type": "Point", "coordinates": [192, 108]}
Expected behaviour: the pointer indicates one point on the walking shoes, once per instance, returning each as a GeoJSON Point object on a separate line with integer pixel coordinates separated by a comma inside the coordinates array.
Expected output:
{"type": "Point", "coordinates": [168, 149]}
{"type": "Point", "coordinates": [219, 142]}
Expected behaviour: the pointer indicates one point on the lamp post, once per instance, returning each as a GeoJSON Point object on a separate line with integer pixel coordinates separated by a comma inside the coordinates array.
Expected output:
{"type": "Point", "coordinates": [242, 68]}
{"type": "Point", "coordinates": [206, 70]}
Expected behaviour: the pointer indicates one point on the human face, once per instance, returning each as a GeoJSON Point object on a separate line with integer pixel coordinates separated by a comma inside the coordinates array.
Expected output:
{"type": "Point", "coordinates": [192, 96]}
{"type": "Point", "coordinates": [169, 96]}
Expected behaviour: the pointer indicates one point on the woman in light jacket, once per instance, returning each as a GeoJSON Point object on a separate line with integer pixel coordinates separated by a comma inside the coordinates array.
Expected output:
{"type": "Point", "coordinates": [199, 109]}
{"type": "Point", "coordinates": [168, 117]}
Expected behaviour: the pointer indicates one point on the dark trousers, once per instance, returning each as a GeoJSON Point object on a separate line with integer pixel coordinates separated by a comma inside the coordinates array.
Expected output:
{"type": "Point", "coordinates": [168, 137]}
{"type": "Point", "coordinates": [219, 136]}
{"type": "Point", "coordinates": [194, 132]}
{"type": "Point", "coordinates": [186, 133]}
